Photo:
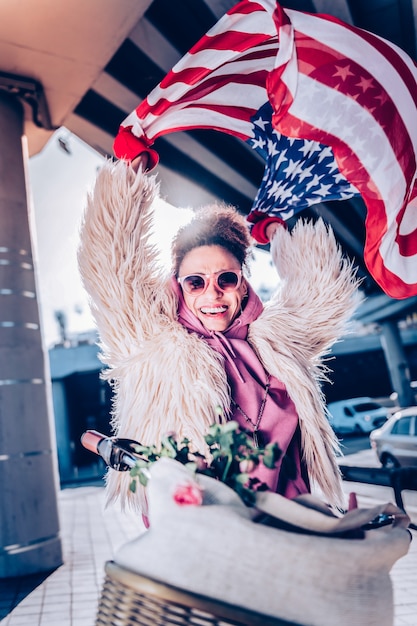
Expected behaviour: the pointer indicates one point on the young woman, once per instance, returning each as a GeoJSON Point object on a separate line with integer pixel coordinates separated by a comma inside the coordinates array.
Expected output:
{"type": "Point", "coordinates": [180, 345]}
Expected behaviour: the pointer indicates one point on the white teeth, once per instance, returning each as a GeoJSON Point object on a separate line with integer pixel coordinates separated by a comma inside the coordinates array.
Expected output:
{"type": "Point", "coordinates": [216, 309]}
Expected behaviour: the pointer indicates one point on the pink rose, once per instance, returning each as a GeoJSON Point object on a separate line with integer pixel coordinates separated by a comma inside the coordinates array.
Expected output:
{"type": "Point", "coordinates": [189, 493]}
{"type": "Point", "coordinates": [247, 466]}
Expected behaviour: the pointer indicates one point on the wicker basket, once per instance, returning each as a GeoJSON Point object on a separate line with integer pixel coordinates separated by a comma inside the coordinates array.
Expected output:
{"type": "Point", "coordinates": [129, 599]}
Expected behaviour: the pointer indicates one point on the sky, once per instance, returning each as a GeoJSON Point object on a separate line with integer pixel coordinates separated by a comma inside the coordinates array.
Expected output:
{"type": "Point", "coordinates": [58, 185]}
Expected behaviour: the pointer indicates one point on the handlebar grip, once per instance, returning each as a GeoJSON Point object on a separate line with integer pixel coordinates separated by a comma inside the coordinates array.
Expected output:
{"type": "Point", "coordinates": [91, 439]}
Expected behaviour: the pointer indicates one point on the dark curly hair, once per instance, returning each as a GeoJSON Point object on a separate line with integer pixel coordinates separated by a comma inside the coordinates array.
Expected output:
{"type": "Point", "coordinates": [213, 225]}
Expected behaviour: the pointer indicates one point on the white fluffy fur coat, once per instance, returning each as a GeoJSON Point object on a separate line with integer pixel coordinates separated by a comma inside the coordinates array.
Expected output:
{"type": "Point", "coordinates": [166, 379]}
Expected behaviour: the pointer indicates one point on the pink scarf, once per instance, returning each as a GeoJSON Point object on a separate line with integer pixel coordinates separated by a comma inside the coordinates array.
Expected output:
{"type": "Point", "coordinates": [247, 379]}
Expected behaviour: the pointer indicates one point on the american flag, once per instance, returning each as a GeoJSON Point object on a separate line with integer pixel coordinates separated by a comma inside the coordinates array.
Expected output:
{"type": "Point", "coordinates": [298, 172]}
{"type": "Point", "coordinates": [331, 107]}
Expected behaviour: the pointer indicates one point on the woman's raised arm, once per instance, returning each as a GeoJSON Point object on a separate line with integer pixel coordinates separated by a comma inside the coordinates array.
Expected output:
{"type": "Point", "coordinates": [118, 262]}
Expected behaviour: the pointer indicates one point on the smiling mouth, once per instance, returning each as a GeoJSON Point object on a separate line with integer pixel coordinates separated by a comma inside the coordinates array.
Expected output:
{"type": "Point", "coordinates": [213, 310]}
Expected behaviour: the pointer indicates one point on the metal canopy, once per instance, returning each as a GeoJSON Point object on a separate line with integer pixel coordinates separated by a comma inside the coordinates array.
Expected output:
{"type": "Point", "coordinates": [110, 58]}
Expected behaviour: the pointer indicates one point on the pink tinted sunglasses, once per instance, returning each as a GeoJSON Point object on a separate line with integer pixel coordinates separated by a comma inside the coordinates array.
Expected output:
{"type": "Point", "coordinates": [225, 280]}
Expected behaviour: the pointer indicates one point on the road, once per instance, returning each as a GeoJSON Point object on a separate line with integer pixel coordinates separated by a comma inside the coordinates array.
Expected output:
{"type": "Point", "coordinates": [357, 451]}
{"type": "Point", "coordinates": [354, 443]}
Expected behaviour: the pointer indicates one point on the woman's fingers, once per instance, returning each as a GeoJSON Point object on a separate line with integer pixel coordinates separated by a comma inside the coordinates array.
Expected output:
{"type": "Point", "coordinates": [141, 160]}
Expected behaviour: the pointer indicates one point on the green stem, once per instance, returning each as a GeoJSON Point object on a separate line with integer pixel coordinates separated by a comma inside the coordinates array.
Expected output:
{"type": "Point", "coordinates": [226, 469]}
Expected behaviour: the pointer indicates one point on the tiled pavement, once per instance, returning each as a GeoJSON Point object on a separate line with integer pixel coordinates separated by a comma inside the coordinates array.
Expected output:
{"type": "Point", "coordinates": [91, 535]}
{"type": "Point", "coordinates": [68, 597]}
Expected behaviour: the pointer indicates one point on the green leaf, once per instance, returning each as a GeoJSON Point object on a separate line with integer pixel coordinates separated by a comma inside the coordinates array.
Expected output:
{"type": "Point", "coordinates": [272, 455]}
{"type": "Point", "coordinates": [242, 478]}
{"type": "Point", "coordinates": [143, 479]}
{"type": "Point", "coordinates": [228, 445]}
{"type": "Point", "coordinates": [169, 446]}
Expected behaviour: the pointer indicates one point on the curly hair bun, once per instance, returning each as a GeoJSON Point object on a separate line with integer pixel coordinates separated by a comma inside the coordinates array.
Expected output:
{"type": "Point", "coordinates": [213, 225]}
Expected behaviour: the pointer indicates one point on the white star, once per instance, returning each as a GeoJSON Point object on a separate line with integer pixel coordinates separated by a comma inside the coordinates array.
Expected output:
{"type": "Point", "coordinates": [258, 143]}
{"type": "Point", "coordinates": [285, 192]}
{"type": "Point", "coordinates": [325, 152]}
{"type": "Point", "coordinates": [261, 123]}
{"type": "Point", "coordinates": [309, 148]}
{"type": "Point", "coordinates": [311, 201]}
{"type": "Point", "coordinates": [294, 200]}
{"type": "Point", "coordinates": [339, 177]}
{"type": "Point", "coordinates": [292, 169]}
{"type": "Point", "coordinates": [274, 188]}
{"type": "Point", "coordinates": [272, 147]}
{"type": "Point", "coordinates": [323, 190]}
{"type": "Point", "coordinates": [306, 172]}
{"type": "Point", "coordinates": [352, 189]}
{"type": "Point", "coordinates": [331, 166]}
{"type": "Point", "coordinates": [314, 183]}
{"type": "Point", "coordinates": [345, 195]}
{"type": "Point", "coordinates": [281, 158]}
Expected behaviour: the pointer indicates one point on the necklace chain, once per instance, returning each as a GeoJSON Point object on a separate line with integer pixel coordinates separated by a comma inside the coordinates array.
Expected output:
{"type": "Point", "coordinates": [260, 412]}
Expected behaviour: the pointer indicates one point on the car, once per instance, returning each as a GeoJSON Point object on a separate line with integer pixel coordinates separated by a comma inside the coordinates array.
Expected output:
{"type": "Point", "coordinates": [395, 443]}
{"type": "Point", "coordinates": [356, 415]}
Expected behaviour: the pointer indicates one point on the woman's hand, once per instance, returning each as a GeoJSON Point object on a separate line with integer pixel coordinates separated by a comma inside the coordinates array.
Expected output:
{"type": "Point", "coordinates": [264, 229]}
{"type": "Point", "coordinates": [141, 160]}
{"type": "Point", "coordinates": [271, 229]}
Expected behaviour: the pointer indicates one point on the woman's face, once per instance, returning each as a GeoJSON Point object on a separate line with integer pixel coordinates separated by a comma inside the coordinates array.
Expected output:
{"type": "Point", "coordinates": [216, 309]}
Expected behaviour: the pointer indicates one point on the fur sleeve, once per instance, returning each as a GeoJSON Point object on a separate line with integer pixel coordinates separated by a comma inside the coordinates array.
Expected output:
{"type": "Point", "coordinates": [318, 291]}
{"type": "Point", "coordinates": [118, 264]}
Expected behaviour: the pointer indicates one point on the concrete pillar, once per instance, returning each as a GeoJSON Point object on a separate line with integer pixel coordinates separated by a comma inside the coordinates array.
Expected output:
{"type": "Point", "coordinates": [29, 522]}
{"type": "Point", "coordinates": [397, 363]}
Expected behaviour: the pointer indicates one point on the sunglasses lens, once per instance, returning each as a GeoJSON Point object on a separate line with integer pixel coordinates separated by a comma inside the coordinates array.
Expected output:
{"type": "Point", "coordinates": [194, 284]}
{"type": "Point", "coordinates": [228, 281]}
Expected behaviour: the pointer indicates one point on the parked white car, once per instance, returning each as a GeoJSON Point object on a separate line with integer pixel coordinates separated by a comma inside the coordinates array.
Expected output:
{"type": "Point", "coordinates": [395, 443]}
{"type": "Point", "coordinates": [356, 415]}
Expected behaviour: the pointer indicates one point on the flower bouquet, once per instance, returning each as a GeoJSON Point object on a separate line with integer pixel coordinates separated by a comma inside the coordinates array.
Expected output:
{"type": "Point", "coordinates": [233, 457]}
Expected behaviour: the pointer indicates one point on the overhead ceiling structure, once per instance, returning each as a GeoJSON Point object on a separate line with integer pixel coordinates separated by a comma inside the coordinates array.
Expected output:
{"type": "Point", "coordinates": [93, 62]}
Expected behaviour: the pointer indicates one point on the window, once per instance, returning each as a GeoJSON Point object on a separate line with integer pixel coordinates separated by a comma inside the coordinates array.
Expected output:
{"type": "Point", "coordinates": [367, 406]}
{"type": "Point", "coordinates": [402, 426]}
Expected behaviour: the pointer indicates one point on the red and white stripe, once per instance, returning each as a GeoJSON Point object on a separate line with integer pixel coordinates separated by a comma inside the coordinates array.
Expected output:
{"type": "Point", "coordinates": [219, 84]}
{"type": "Point", "coordinates": [371, 129]}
